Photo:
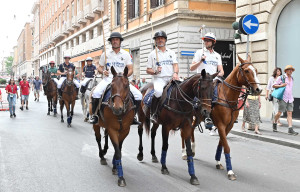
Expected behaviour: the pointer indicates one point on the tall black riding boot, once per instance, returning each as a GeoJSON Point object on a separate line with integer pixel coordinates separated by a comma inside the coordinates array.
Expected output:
{"type": "Point", "coordinates": [154, 109]}
{"type": "Point", "coordinates": [82, 89]}
{"type": "Point", "coordinates": [94, 117]}
{"type": "Point", "coordinates": [135, 121]}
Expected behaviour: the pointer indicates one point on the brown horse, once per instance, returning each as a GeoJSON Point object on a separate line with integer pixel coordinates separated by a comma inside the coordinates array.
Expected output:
{"type": "Point", "coordinates": [225, 110]}
{"type": "Point", "coordinates": [178, 113]}
{"type": "Point", "coordinates": [68, 97]}
{"type": "Point", "coordinates": [116, 117]}
{"type": "Point", "coordinates": [50, 90]}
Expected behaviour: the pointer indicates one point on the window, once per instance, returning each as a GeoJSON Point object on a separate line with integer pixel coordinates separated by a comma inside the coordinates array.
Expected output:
{"type": "Point", "coordinates": [73, 10]}
{"type": "Point", "coordinates": [83, 37]}
{"type": "Point", "coordinates": [68, 13]}
{"type": "Point", "coordinates": [71, 44]}
{"type": "Point", "coordinates": [67, 45]}
{"type": "Point", "coordinates": [99, 31]}
{"type": "Point", "coordinates": [118, 12]}
{"type": "Point", "coordinates": [77, 40]}
{"type": "Point", "coordinates": [133, 8]}
{"type": "Point", "coordinates": [78, 5]}
{"type": "Point", "coordinates": [156, 3]}
{"type": "Point", "coordinates": [55, 5]}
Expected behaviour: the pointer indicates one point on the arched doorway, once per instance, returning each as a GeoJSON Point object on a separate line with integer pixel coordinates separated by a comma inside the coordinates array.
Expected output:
{"type": "Point", "coordinates": [288, 45]}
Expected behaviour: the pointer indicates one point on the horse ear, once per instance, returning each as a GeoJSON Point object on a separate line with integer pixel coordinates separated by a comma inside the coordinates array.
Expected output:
{"type": "Point", "coordinates": [113, 71]}
{"type": "Point", "coordinates": [240, 59]}
{"type": "Point", "coordinates": [249, 59]}
{"type": "Point", "coordinates": [125, 71]}
{"type": "Point", "coordinates": [203, 73]}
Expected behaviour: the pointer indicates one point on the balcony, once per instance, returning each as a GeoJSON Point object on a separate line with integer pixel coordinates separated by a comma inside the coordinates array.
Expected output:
{"type": "Point", "coordinates": [80, 18]}
{"type": "Point", "coordinates": [58, 35]}
{"type": "Point", "coordinates": [69, 26]}
{"type": "Point", "coordinates": [88, 14]}
{"type": "Point", "coordinates": [97, 6]}
{"type": "Point", "coordinates": [74, 22]}
{"type": "Point", "coordinates": [65, 28]}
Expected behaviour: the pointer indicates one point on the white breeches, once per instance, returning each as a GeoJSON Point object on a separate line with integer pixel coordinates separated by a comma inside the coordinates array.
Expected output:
{"type": "Point", "coordinates": [61, 80]}
{"type": "Point", "coordinates": [83, 83]}
{"type": "Point", "coordinates": [100, 88]}
{"type": "Point", "coordinates": [159, 84]}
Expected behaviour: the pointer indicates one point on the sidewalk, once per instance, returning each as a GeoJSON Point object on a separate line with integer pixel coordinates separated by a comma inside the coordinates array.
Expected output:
{"type": "Point", "coordinates": [266, 128]}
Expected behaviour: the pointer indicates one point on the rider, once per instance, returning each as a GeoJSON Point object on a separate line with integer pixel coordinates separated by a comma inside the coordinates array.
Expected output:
{"type": "Point", "coordinates": [163, 70]}
{"type": "Point", "coordinates": [62, 70]}
{"type": "Point", "coordinates": [119, 59]}
{"type": "Point", "coordinates": [53, 71]}
{"type": "Point", "coordinates": [209, 60]}
{"type": "Point", "coordinates": [88, 71]}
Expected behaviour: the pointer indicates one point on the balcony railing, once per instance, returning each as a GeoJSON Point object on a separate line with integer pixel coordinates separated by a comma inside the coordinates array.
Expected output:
{"type": "Point", "coordinates": [88, 14]}
{"type": "Point", "coordinates": [97, 6]}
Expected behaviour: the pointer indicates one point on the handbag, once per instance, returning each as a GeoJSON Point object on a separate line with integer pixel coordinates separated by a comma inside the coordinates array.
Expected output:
{"type": "Point", "coordinates": [278, 92]}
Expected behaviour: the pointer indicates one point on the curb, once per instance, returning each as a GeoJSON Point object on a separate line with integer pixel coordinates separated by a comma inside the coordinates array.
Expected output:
{"type": "Point", "coordinates": [270, 139]}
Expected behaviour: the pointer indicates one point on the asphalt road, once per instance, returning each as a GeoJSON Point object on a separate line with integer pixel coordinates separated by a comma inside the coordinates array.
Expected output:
{"type": "Point", "coordinates": [39, 153]}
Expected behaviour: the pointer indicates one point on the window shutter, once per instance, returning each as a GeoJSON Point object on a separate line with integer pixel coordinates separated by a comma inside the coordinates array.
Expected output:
{"type": "Point", "coordinates": [130, 9]}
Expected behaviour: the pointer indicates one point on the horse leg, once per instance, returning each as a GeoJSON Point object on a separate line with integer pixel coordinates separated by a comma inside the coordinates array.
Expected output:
{"type": "Point", "coordinates": [230, 173]}
{"type": "Point", "coordinates": [61, 110]}
{"type": "Point", "coordinates": [193, 142]}
{"type": "Point", "coordinates": [153, 134]}
{"type": "Point", "coordinates": [68, 114]}
{"type": "Point", "coordinates": [165, 138]}
{"type": "Point", "coordinates": [117, 163]}
{"type": "Point", "coordinates": [104, 151]}
{"type": "Point", "coordinates": [98, 139]}
{"type": "Point", "coordinates": [183, 150]}
{"type": "Point", "coordinates": [48, 106]}
{"type": "Point", "coordinates": [140, 156]}
{"type": "Point", "coordinates": [190, 162]}
{"type": "Point", "coordinates": [54, 107]}
{"type": "Point", "coordinates": [51, 109]}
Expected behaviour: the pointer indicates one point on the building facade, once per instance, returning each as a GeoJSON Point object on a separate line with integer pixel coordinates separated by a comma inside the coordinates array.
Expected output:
{"type": "Point", "coordinates": [276, 42]}
{"type": "Point", "coordinates": [35, 27]}
{"type": "Point", "coordinates": [24, 52]}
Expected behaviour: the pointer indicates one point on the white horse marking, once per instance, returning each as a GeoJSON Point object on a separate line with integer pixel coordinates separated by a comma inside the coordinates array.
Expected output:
{"type": "Point", "coordinates": [255, 77]}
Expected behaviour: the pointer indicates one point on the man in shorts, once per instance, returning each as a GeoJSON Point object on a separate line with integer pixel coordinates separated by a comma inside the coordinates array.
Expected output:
{"type": "Point", "coordinates": [24, 91]}
{"type": "Point", "coordinates": [37, 87]}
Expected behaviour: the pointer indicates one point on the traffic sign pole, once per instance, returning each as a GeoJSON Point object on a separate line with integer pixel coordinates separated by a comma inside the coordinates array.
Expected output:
{"type": "Point", "coordinates": [247, 50]}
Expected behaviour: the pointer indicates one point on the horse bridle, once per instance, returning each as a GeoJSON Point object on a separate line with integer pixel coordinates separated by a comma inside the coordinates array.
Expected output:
{"type": "Point", "coordinates": [249, 84]}
{"type": "Point", "coordinates": [124, 101]}
{"type": "Point", "coordinates": [69, 83]}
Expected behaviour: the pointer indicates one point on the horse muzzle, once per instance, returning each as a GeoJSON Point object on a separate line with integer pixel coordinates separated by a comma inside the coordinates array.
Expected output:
{"type": "Point", "coordinates": [256, 91]}
{"type": "Point", "coordinates": [117, 111]}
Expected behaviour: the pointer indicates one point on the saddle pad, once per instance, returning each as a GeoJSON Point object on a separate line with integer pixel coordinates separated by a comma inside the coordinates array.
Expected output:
{"type": "Point", "coordinates": [148, 98]}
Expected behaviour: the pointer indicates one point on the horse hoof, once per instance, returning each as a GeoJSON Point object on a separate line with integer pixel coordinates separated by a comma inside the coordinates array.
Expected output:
{"type": "Point", "coordinates": [48, 113]}
{"type": "Point", "coordinates": [231, 177]}
{"type": "Point", "coordinates": [85, 120]}
{"type": "Point", "coordinates": [62, 121]}
{"type": "Point", "coordinates": [103, 161]}
{"type": "Point", "coordinates": [140, 157]}
{"type": "Point", "coordinates": [220, 166]}
{"type": "Point", "coordinates": [121, 182]}
{"type": "Point", "coordinates": [154, 159]}
{"type": "Point", "coordinates": [114, 171]}
{"type": "Point", "coordinates": [184, 157]}
{"type": "Point", "coordinates": [54, 115]}
{"type": "Point", "coordinates": [165, 171]}
{"type": "Point", "coordinates": [194, 180]}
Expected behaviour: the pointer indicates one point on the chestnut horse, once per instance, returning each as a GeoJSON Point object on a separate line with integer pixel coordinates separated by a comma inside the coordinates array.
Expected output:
{"type": "Point", "coordinates": [225, 110]}
{"type": "Point", "coordinates": [68, 97]}
{"type": "Point", "coordinates": [50, 90]}
{"type": "Point", "coordinates": [116, 117]}
{"type": "Point", "coordinates": [178, 113]}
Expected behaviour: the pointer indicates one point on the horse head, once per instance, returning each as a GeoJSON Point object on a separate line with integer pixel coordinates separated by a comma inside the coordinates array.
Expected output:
{"type": "Point", "coordinates": [119, 91]}
{"type": "Point", "coordinates": [203, 91]}
{"type": "Point", "coordinates": [247, 76]}
{"type": "Point", "coordinates": [70, 76]}
{"type": "Point", "coordinates": [45, 77]}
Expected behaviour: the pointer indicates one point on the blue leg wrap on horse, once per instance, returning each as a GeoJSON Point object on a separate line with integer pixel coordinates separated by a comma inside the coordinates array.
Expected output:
{"type": "Point", "coordinates": [190, 163]}
{"type": "Point", "coordinates": [69, 120]}
{"type": "Point", "coordinates": [228, 162]}
{"type": "Point", "coordinates": [163, 157]}
{"type": "Point", "coordinates": [119, 168]}
{"type": "Point", "coordinates": [218, 153]}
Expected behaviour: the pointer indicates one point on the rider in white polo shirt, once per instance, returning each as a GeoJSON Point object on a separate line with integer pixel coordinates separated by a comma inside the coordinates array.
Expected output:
{"type": "Point", "coordinates": [163, 70]}
{"type": "Point", "coordinates": [119, 59]}
{"type": "Point", "coordinates": [209, 60]}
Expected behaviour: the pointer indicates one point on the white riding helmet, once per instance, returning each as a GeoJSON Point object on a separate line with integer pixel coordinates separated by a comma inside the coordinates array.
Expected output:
{"type": "Point", "coordinates": [89, 59]}
{"type": "Point", "coordinates": [210, 36]}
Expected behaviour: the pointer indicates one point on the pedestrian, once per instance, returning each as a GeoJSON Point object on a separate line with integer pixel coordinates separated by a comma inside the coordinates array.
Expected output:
{"type": "Point", "coordinates": [287, 101]}
{"type": "Point", "coordinates": [269, 89]}
{"type": "Point", "coordinates": [163, 66]}
{"type": "Point", "coordinates": [12, 95]}
{"type": "Point", "coordinates": [89, 71]}
{"type": "Point", "coordinates": [37, 87]}
{"type": "Point", "coordinates": [207, 58]}
{"type": "Point", "coordinates": [62, 71]}
{"type": "Point", "coordinates": [119, 59]}
{"type": "Point", "coordinates": [24, 90]}
{"type": "Point", "coordinates": [251, 113]}
{"type": "Point", "coordinates": [143, 82]}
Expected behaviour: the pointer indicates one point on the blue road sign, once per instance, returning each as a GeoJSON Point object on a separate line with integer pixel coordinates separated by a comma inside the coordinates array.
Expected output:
{"type": "Point", "coordinates": [250, 24]}
{"type": "Point", "coordinates": [187, 53]}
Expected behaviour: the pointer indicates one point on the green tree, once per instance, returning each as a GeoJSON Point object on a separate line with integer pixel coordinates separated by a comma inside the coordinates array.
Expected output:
{"type": "Point", "coordinates": [8, 63]}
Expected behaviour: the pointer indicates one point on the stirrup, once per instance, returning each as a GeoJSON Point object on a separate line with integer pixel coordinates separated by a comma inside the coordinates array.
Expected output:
{"type": "Point", "coordinates": [94, 119]}
{"type": "Point", "coordinates": [154, 118]}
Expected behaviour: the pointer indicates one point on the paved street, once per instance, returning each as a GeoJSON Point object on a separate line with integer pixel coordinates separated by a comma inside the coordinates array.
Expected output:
{"type": "Point", "coordinates": [39, 153]}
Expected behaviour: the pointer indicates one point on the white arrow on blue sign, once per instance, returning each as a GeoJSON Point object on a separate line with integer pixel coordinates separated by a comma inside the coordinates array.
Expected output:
{"type": "Point", "coordinates": [250, 24]}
